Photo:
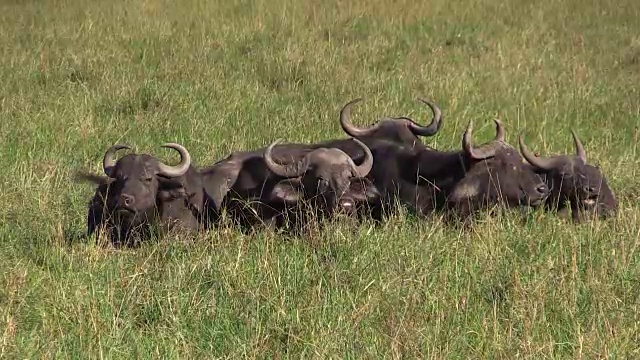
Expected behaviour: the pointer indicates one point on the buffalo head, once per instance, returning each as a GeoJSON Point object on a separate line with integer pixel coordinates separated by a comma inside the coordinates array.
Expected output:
{"type": "Point", "coordinates": [401, 130]}
{"type": "Point", "coordinates": [574, 181]}
{"type": "Point", "coordinates": [496, 175]}
{"type": "Point", "coordinates": [327, 177]}
{"type": "Point", "coordinates": [135, 185]}
{"type": "Point", "coordinates": [136, 179]}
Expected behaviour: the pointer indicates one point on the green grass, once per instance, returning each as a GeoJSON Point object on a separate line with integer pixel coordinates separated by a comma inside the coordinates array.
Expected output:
{"type": "Point", "coordinates": [220, 76]}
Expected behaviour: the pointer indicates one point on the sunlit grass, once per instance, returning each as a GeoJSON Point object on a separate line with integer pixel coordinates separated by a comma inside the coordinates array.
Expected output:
{"type": "Point", "coordinates": [221, 76]}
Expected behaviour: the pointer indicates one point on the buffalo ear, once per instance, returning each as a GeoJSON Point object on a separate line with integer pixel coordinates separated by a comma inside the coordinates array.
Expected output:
{"type": "Point", "coordinates": [171, 189]}
{"type": "Point", "coordinates": [219, 179]}
{"type": "Point", "coordinates": [168, 195]}
{"type": "Point", "coordinates": [288, 191]}
{"type": "Point", "coordinates": [362, 189]}
{"type": "Point", "coordinates": [92, 178]}
{"type": "Point", "coordinates": [169, 184]}
{"type": "Point", "coordinates": [174, 194]}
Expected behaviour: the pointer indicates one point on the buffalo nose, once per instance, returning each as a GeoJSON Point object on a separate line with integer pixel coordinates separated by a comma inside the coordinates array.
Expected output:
{"type": "Point", "coordinates": [126, 200]}
{"type": "Point", "coordinates": [589, 189]}
{"type": "Point", "coordinates": [543, 189]}
{"type": "Point", "coordinates": [347, 206]}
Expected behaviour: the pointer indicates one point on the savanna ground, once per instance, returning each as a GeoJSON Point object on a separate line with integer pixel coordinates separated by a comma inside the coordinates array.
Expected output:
{"type": "Point", "coordinates": [219, 76]}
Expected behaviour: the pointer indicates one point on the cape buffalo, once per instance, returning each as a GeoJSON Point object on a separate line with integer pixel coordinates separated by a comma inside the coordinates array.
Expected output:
{"type": "Point", "coordinates": [425, 180]}
{"type": "Point", "coordinates": [401, 130]}
{"type": "Point", "coordinates": [497, 176]}
{"type": "Point", "coordinates": [138, 191]}
{"type": "Point", "coordinates": [574, 184]}
{"type": "Point", "coordinates": [244, 174]}
{"type": "Point", "coordinates": [327, 178]}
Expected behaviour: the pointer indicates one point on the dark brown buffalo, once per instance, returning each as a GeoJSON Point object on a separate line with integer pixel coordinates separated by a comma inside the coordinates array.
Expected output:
{"type": "Point", "coordinates": [497, 176]}
{"type": "Point", "coordinates": [401, 130]}
{"type": "Point", "coordinates": [327, 179]}
{"type": "Point", "coordinates": [425, 180]}
{"type": "Point", "coordinates": [324, 180]}
{"type": "Point", "coordinates": [574, 184]}
{"type": "Point", "coordinates": [139, 192]}
{"type": "Point", "coordinates": [244, 175]}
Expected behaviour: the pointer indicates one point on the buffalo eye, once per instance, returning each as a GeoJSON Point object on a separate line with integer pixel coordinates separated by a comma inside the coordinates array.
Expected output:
{"type": "Point", "coordinates": [322, 182]}
{"type": "Point", "coordinates": [147, 179]}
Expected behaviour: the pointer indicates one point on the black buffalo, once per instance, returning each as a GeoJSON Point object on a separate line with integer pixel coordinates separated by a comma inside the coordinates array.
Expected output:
{"type": "Point", "coordinates": [327, 179]}
{"type": "Point", "coordinates": [244, 176]}
{"type": "Point", "coordinates": [497, 175]}
{"type": "Point", "coordinates": [400, 130]}
{"type": "Point", "coordinates": [139, 193]}
{"type": "Point", "coordinates": [426, 180]}
{"type": "Point", "coordinates": [575, 185]}
{"type": "Point", "coordinates": [272, 188]}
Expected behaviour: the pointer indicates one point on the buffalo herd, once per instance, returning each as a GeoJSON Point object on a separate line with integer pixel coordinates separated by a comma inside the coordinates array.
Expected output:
{"type": "Point", "coordinates": [369, 174]}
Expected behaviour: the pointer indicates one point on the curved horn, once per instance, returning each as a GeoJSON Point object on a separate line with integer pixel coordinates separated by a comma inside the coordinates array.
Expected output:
{"type": "Point", "coordinates": [539, 162]}
{"type": "Point", "coordinates": [347, 126]}
{"type": "Point", "coordinates": [499, 131]}
{"type": "Point", "coordinates": [109, 159]}
{"type": "Point", "coordinates": [365, 167]}
{"type": "Point", "coordinates": [481, 153]}
{"type": "Point", "coordinates": [287, 171]}
{"type": "Point", "coordinates": [432, 128]}
{"type": "Point", "coordinates": [580, 152]}
{"type": "Point", "coordinates": [177, 170]}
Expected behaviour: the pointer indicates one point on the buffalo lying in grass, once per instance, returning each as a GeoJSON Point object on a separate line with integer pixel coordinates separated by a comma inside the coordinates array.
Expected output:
{"type": "Point", "coordinates": [244, 175]}
{"type": "Point", "coordinates": [400, 130]}
{"type": "Point", "coordinates": [327, 179]}
{"type": "Point", "coordinates": [425, 180]}
{"type": "Point", "coordinates": [497, 175]}
{"type": "Point", "coordinates": [324, 181]}
{"type": "Point", "coordinates": [575, 185]}
{"type": "Point", "coordinates": [139, 192]}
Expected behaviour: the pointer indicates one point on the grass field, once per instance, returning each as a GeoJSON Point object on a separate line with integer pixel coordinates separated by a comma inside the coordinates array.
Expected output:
{"type": "Point", "coordinates": [220, 76]}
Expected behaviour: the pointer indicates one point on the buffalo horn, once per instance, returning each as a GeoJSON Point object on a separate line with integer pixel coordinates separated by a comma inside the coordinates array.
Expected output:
{"type": "Point", "coordinates": [346, 124]}
{"type": "Point", "coordinates": [580, 152]}
{"type": "Point", "coordinates": [539, 162]}
{"type": "Point", "coordinates": [287, 171]}
{"type": "Point", "coordinates": [109, 160]}
{"type": "Point", "coordinates": [499, 131]}
{"type": "Point", "coordinates": [432, 128]}
{"type": "Point", "coordinates": [177, 170]}
{"type": "Point", "coordinates": [482, 153]}
{"type": "Point", "coordinates": [364, 168]}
